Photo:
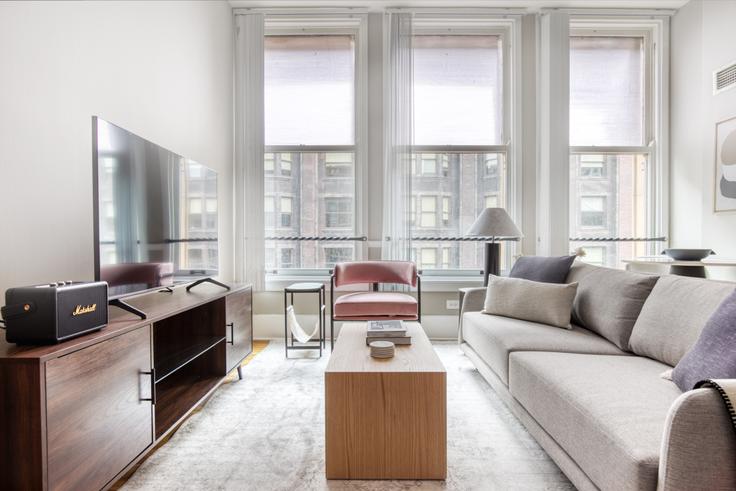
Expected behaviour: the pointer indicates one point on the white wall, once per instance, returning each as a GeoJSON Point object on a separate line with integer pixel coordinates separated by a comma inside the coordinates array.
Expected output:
{"type": "Point", "coordinates": [703, 40]}
{"type": "Point", "coordinates": [160, 69]}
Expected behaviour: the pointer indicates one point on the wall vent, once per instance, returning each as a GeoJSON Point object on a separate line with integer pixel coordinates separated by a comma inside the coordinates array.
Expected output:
{"type": "Point", "coordinates": [725, 78]}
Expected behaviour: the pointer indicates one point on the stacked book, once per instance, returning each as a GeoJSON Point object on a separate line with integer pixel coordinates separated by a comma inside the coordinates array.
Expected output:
{"type": "Point", "coordinates": [393, 331]}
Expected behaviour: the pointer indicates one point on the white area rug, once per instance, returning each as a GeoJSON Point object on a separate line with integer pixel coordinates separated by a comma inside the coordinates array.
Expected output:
{"type": "Point", "coordinates": [266, 432]}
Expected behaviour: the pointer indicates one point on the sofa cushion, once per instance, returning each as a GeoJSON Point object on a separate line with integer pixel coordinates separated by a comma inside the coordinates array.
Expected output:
{"type": "Point", "coordinates": [713, 355]}
{"type": "Point", "coordinates": [530, 300]}
{"type": "Point", "coordinates": [376, 304]}
{"type": "Point", "coordinates": [608, 301]}
{"type": "Point", "coordinates": [541, 268]}
{"type": "Point", "coordinates": [493, 338]}
{"type": "Point", "coordinates": [607, 412]}
{"type": "Point", "coordinates": [674, 316]}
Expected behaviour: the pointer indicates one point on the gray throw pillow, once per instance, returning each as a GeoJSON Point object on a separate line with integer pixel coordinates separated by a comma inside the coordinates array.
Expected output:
{"type": "Point", "coordinates": [674, 315]}
{"type": "Point", "coordinates": [713, 356]}
{"type": "Point", "coordinates": [530, 300]}
{"type": "Point", "coordinates": [609, 300]}
{"type": "Point", "coordinates": [541, 268]}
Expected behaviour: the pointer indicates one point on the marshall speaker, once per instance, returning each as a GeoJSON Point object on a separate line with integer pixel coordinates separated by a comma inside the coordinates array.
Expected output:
{"type": "Point", "coordinates": [54, 312]}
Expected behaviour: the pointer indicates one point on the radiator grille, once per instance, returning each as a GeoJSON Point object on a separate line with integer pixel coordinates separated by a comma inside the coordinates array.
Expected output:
{"type": "Point", "coordinates": [724, 79]}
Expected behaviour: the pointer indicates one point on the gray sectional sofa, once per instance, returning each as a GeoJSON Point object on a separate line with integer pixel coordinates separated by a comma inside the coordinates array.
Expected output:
{"type": "Point", "coordinates": [593, 396]}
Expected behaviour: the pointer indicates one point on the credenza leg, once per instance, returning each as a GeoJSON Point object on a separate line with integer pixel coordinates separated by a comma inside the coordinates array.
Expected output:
{"type": "Point", "coordinates": [240, 372]}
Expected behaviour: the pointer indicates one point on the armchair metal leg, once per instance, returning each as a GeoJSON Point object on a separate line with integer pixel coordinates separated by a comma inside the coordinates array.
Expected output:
{"type": "Point", "coordinates": [332, 333]}
{"type": "Point", "coordinates": [419, 298]}
{"type": "Point", "coordinates": [332, 313]}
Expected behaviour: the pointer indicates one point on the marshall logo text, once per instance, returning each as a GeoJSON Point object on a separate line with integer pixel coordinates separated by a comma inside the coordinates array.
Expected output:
{"type": "Point", "coordinates": [84, 310]}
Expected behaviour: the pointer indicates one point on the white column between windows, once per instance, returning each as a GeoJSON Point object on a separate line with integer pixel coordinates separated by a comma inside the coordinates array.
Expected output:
{"type": "Point", "coordinates": [553, 167]}
{"type": "Point", "coordinates": [249, 248]}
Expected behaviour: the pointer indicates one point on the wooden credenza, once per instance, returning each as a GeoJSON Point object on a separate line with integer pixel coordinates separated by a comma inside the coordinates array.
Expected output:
{"type": "Point", "coordinates": [77, 415]}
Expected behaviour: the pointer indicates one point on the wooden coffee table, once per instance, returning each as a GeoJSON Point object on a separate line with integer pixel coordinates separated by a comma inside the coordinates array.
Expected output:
{"type": "Point", "coordinates": [385, 419]}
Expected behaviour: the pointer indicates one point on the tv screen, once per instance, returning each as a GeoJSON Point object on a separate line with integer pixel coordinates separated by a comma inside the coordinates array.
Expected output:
{"type": "Point", "coordinates": [155, 213]}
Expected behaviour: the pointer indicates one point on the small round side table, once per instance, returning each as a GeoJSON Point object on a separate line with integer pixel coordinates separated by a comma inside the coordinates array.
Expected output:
{"type": "Point", "coordinates": [296, 288]}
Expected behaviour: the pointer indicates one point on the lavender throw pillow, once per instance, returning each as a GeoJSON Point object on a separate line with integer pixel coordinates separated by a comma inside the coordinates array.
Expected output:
{"type": "Point", "coordinates": [713, 355]}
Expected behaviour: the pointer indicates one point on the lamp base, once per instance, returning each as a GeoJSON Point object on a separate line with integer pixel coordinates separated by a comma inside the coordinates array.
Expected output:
{"type": "Point", "coordinates": [492, 261]}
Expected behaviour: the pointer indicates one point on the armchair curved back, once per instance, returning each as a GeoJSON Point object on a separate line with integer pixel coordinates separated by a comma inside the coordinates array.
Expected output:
{"type": "Point", "coordinates": [361, 272]}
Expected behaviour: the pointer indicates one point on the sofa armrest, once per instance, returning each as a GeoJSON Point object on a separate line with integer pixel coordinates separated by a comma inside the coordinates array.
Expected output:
{"type": "Point", "coordinates": [698, 445]}
{"type": "Point", "coordinates": [473, 301]}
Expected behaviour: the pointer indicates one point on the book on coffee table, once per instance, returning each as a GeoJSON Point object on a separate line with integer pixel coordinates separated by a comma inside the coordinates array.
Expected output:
{"type": "Point", "coordinates": [386, 328]}
{"type": "Point", "coordinates": [397, 340]}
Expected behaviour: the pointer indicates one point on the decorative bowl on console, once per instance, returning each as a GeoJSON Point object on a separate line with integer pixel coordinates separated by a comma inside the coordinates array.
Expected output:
{"type": "Point", "coordinates": [688, 254]}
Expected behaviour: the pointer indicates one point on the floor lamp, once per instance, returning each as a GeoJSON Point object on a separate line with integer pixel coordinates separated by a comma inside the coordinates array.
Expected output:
{"type": "Point", "coordinates": [495, 224]}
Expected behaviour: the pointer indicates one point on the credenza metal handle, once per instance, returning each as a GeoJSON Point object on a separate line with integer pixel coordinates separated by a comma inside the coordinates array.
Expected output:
{"type": "Point", "coordinates": [231, 325]}
{"type": "Point", "coordinates": [151, 374]}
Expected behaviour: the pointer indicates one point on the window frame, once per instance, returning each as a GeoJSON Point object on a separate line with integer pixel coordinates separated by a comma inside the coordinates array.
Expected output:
{"type": "Point", "coordinates": [508, 28]}
{"type": "Point", "coordinates": [654, 147]}
{"type": "Point", "coordinates": [354, 25]}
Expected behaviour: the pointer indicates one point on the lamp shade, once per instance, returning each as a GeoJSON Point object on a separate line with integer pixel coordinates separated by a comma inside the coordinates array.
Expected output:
{"type": "Point", "coordinates": [494, 222]}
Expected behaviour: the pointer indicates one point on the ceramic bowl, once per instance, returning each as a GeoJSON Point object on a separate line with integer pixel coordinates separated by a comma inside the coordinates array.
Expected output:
{"type": "Point", "coordinates": [688, 254]}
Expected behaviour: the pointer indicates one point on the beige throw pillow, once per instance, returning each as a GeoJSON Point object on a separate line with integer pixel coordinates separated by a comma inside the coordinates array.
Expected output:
{"type": "Point", "coordinates": [546, 303]}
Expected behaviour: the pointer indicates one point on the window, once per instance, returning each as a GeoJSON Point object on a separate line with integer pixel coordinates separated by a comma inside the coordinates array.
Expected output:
{"type": "Point", "coordinates": [334, 255]}
{"type": "Point", "coordinates": [457, 89]}
{"type": "Point", "coordinates": [269, 165]}
{"type": "Point", "coordinates": [607, 90]}
{"type": "Point", "coordinates": [195, 213]}
{"type": "Point", "coordinates": [428, 211]}
{"type": "Point", "coordinates": [286, 258]}
{"type": "Point", "coordinates": [595, 255]}
{"type": "Point", "coordinates": [428, 258]}
{"type": "Point", "coordinates": [592, 166]}
{"type": "Point", "coordinates": [338, 212]}
{"type": "Point", "coordinates": [491, 201]}
{"type": "Point", "coordinates": [428, 164]}
{"type": "Point", "coordinates": [194, 258]}
{"type": "Point", "coordinates": [460, 158]}
{"type": "Point", "coordinates": [310, 122]}
{"type": "Point", "coordinates": [286, 164]}
{"type": "Point", "coordinates": [612, 147]}
{"type": "Point", "coordinates": [446, 258]}
{"type": "Point", "coordinates": [593, 211]}
{"type": "Point", "coordinates": [491, 167]}
{"type": "Point", "coordinates": [199, 195]}
{"type": "Point", "coordinates": [445, 211]}
{"type": "Point", "coordinates": [304, 106]}
{"type": "Point", "coordinates": [339, 165]}
{"type": "Point", "coordinates": [285, 209]}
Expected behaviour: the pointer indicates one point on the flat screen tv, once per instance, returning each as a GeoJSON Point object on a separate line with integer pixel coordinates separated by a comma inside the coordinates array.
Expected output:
{"type": "Point", "coordinates": [155, 213]}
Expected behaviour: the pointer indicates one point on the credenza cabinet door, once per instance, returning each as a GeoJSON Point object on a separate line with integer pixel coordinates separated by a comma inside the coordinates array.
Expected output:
{"type": "Point", "coordinates": [238, 311]}
{"type": "Point", "coordinates": [97, 416]}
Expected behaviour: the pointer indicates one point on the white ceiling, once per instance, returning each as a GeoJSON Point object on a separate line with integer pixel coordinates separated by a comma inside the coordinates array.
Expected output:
{"type": "Point", "coordinates": [531, 5]}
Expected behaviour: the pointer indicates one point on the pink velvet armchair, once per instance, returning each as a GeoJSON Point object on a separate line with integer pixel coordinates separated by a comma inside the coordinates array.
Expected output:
{"type": "Point", "coordinates": [375, 305]}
